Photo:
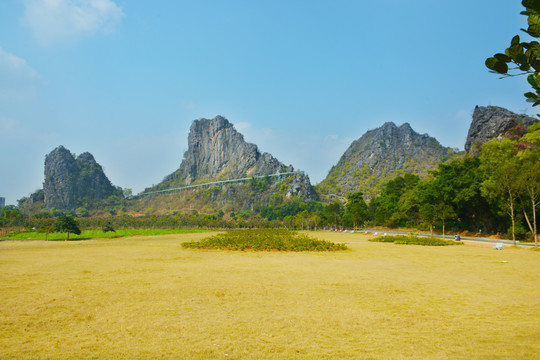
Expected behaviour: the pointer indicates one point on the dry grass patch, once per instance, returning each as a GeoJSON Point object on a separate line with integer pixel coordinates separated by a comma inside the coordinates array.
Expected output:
{"type": "Point", "coordinates": [146, 297]}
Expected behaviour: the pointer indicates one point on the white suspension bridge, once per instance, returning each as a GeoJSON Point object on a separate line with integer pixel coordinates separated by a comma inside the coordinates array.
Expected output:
{"type": "Point", "coordinates": [278, 177]}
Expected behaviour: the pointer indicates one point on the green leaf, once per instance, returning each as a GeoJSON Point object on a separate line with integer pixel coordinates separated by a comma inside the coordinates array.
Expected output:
{"type": "Point", "coordinates": [495, 64]}
{"type": "Point", "coordinates": [534, 23]}
{"type": "Point", "coordinates": [531, 97]}
{"type": "Point", "coordinates": [514, 50]}
{"type": "Point", "coordinates": [502, 57]}
{"type": "Point", "coordinates": [515, 40]}
{"type": "Point", "coordinates": [532, 80]}
{"type": "Point", "coordinates": [521, 59]}
{"type": "Point", "coordinates": [534, 46]}
{"type": "Point", "coordinates": [536, 65]}
{"type": "Point", "coordinates": [525, 67]}
{"type": "Point", "coordinates": [531, 55]}
{"type": "Point", "coordinates": [533, 5]}
{"type": "Point", "coordinates": [533, 19]}
{"type": "Point", "coordinates": [533, 30]}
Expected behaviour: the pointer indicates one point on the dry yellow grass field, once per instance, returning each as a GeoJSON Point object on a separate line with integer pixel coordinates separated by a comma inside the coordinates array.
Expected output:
{"type": "Point", "coordinates": [147, 298]}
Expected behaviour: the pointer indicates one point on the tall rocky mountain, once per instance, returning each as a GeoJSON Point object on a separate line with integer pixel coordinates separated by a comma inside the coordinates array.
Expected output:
{"type": "Point", "coordinates": [490, 122]}
{"type": "Point", "coordinates": [73, 182]}
{"type": "Point", "coordinates": [216, 151]}
{"type": "Point", "coordinates": [380, 155]}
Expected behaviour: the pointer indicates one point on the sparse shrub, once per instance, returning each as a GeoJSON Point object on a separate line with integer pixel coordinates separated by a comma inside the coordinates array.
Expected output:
{"type": "Point", "coordinates": [520, 231]}
{"type": "Point", "coordinates": [245, 214]}
{"type": "Point", "coordinates": [383, 239]}
{"type": "Point", "coordinates": [415, 240]}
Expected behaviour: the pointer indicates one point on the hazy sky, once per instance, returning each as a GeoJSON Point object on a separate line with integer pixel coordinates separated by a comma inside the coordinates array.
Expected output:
{"type": "Point", "coordinates": [302, 79]}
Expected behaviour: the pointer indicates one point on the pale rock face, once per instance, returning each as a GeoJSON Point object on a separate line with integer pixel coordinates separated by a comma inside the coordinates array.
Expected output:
{"type": "Point", "coordinates": [490, 122]}
{"type": "Point", "coordinates": [71, 182]}
{"type": "Point", "coordinates": [59, 182]}
{"type": "Point", "coordinates": [216, 151]}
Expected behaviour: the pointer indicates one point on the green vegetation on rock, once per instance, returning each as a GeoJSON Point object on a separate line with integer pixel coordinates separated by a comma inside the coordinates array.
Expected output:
{"type": "Point", "coordinates": [379, 156]}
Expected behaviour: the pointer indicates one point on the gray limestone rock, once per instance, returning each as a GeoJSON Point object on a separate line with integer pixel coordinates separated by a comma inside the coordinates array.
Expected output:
{"type": "Point", "coordinates": [72, 182]}
{"type": "Point", "coordinates": [381, 154]}
{"type": "Point", "coordinates": [301, 187]}
{"type": "Point", "coordinates": [490, 122]}
{"type": "Point", "coordinates": [216, 151]}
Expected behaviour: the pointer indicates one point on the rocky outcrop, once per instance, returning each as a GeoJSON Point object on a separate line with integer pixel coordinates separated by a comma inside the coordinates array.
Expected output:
{"type": "Point", "coordinates": [73, 182]}
{"type": "Point", "coordinates": [216, 151]}
{"type": "Point", "coordinates": [380, 155]}
{"type": "Point", "coordinates": [301, 187]}
{"type": "Point", "coordinates": [490, 122]}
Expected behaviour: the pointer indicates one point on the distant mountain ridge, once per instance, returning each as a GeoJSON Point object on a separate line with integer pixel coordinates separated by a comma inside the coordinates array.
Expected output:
{"type": "Point", "coordinates": [380, 155]}
{"type": "Point", "coordinates": [217, 151]}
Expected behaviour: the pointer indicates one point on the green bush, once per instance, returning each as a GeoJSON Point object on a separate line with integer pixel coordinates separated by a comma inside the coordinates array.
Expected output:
{"type": "Point", "coordinates": [521, 233]}
{"type": "Point", "coordinates": [383, 239]}
{"type": "Point", "coordinates": [264, 240]}
{"type": "Point", "coordinates": [415, 240]}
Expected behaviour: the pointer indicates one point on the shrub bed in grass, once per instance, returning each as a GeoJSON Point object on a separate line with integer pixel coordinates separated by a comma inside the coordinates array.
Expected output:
{"type": "Point", "coordinates": [415, 240]}
{"type": "Point", "coordinates": [383, 239]}
{"type": "Point", "coordinates": [264, 240]}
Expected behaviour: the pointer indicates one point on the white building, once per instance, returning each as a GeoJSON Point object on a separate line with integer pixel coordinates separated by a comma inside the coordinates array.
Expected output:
{"type": "Point", "coordinates": [2, 202]}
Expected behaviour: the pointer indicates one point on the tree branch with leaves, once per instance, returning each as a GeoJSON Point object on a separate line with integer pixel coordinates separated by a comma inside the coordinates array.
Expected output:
{"type": "Point", "coordinates": [522, 58]}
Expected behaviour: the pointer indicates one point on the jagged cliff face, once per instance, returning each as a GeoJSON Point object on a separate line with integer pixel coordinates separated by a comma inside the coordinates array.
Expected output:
{"type": "Point", "coordinates": [216, 151]}
{"type": "Point", "coordinates": [380, 155]}
{"type": "Point", "coordinates": [490, 122]}
{"type": "Point", "coordinates": [72, 182]}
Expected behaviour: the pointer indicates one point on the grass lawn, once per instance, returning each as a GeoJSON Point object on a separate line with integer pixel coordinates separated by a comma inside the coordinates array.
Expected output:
{"type": "Point", "coordinates": [92, 234]}
{"type": "Point", "coordinates": [147, 297]}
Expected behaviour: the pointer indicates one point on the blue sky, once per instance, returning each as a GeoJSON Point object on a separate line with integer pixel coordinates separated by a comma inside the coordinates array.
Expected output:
{"type": "Point", "coordinates": [124, 79]}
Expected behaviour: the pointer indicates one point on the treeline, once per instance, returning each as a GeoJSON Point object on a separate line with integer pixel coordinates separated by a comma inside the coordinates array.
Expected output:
{"type": "Point", "coordinates": [496, 192]}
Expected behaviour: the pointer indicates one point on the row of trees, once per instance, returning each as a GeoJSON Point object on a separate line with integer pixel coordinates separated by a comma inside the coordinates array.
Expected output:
{"type": "Point", "coordinates": [10, 216]}
{"type": "Point", "coordinates": [497, 191]}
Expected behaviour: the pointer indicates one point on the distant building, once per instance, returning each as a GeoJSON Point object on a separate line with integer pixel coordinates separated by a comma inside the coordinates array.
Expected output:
{"type": "Point", "coordinates": [2, 202]}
